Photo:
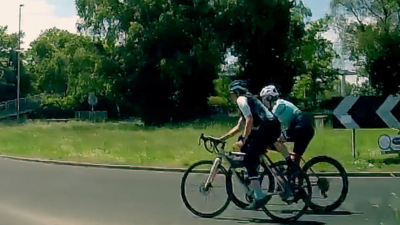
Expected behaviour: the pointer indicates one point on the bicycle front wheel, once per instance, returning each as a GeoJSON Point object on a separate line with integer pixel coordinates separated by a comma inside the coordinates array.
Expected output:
{"type": "Point", "coordinates": [206, 191]}
{"type": "Point", "coordinates": [324, 184]}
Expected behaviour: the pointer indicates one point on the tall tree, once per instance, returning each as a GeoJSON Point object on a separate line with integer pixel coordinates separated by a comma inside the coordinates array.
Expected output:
{"type": "Point", "coordinates": [169, 56]}
{"type": "Point", "coordinates": [265, 35]}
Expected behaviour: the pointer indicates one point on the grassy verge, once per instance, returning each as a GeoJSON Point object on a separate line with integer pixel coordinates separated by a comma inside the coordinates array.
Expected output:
{"type": "Point", "coordinates": [128, 143]}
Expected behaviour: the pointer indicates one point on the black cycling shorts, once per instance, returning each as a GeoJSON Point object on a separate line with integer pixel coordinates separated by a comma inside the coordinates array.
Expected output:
{"type": "Point", "coordinates": [301, 132]}
{"type": "Point", "coordinates": [257, 144]}
{"type": "Point", "coordinates": [266, 136]}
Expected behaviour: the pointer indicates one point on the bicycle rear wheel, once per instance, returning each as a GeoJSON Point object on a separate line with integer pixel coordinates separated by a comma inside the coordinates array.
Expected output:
{"type": "Point", "coordinates": [205, 191]}
{"type": "Point", "coordinates": [323, 183]}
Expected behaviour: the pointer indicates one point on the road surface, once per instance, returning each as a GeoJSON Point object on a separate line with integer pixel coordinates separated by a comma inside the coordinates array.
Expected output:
{"type": "Point", "coordinates": [43, 194]}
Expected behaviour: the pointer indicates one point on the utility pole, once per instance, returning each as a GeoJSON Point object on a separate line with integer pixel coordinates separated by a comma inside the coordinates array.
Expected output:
{"type": "Point", "coordinates": [19, 62]}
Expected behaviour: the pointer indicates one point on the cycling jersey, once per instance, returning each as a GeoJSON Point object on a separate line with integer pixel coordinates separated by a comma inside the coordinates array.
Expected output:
{"type": "Point", "coordinates": [265, 132]}
{"type": "Point", "coordinates": [286, 112]}
{"type": "Point", "coordinates": [251, 106]}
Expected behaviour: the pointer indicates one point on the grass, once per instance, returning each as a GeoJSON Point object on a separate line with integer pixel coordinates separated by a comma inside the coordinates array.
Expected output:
{"type": "Point", "coordinates": [129, 143]}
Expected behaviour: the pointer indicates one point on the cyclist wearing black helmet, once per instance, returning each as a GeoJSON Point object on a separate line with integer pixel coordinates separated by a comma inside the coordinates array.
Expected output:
{"type": "Point", "coordinates": [261, 130]}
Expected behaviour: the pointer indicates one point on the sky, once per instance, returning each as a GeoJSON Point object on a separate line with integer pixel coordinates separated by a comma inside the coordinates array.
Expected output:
{"type": "Point", "coordinates": [37, 16]}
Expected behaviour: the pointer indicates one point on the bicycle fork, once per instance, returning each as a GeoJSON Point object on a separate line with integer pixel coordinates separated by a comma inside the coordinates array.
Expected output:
{"type": "Point", "coordinates": [213, 172]}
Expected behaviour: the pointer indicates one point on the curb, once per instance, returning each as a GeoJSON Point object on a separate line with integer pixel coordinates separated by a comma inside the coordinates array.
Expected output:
{"type": "Point", "coordinates": [95, 165]}
{"type": "Point", "coordinates": [182, 170]}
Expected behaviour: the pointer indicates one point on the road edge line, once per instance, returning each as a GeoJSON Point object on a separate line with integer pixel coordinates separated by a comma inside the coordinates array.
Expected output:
{"type": "Point", "coordinates": [166, 169]}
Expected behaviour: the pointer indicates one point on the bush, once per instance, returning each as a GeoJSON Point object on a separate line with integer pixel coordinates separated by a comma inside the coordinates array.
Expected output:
{"type": "Point", "coordinates": [62, 103]}
{"type": "Point", "coordinates": [218, 101]}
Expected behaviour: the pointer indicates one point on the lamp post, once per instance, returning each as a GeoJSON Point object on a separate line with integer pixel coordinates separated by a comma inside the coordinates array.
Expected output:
{"type": "Point", "coordinates": [19, 61]}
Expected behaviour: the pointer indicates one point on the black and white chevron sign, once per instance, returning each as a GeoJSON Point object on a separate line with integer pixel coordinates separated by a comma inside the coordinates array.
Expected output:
{"type": "Point", "coordinates": [358, 112]}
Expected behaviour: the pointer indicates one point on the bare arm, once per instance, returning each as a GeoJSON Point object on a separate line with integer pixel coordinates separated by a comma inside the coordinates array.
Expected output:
{"type": "Point", "coordinates": [248, 127]}
{"type": "Point", "coordinates": [246, 111]}
{"type": "Point", "coordinates": [233, 131]}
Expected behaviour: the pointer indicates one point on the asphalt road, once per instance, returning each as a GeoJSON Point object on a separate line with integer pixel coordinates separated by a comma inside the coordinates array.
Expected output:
{"type": "Point", "coordinates": [42, 194]}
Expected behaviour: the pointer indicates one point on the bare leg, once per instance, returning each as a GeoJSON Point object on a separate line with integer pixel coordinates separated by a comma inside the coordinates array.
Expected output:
{"type": "Point", "coordinates": [281, 147]}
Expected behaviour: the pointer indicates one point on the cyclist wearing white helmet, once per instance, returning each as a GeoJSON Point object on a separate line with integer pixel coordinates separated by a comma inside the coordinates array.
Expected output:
{"type": "Point", "coordinates": [261, 130]}
{"type": "Point", "coordinates": [296, 127]}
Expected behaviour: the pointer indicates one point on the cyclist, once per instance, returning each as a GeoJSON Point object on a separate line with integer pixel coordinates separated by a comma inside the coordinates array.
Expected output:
{"type": "Point", "coordinates": [261, 129]}
{"type": "Point", "coordinates": [296, 127]}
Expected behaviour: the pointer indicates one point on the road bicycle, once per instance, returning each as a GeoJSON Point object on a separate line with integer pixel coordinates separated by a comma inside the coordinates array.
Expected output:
{"type": "Point", "coordinates": [319, 181]}
{"type": "Point", "coordinates": [235, 162]}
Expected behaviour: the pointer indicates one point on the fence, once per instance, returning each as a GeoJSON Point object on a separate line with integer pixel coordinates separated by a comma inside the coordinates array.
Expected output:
{"type": "Point", "coordinates": [91, 115]}
{"type": "Point", "coordinates": [28, 104]}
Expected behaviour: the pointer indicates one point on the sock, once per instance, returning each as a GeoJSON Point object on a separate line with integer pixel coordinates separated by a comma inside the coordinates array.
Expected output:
{"type": "Point", "coordinates": [295, 159]}
{"type": "Point", "coordinates": [256, 186]}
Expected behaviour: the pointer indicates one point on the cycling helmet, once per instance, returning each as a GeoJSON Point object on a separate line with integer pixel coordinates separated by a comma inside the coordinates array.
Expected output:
{"type": "Point", "coordinates": [238, 86]}
{"type": "Point", "coordinates": [269, 92]}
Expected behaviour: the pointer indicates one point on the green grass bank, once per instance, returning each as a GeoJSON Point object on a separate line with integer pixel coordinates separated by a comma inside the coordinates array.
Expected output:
{"type": "Point", "coordinates": [170, 146]}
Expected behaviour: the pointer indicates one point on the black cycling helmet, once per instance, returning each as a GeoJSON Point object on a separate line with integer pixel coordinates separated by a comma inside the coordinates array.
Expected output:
{"type": "Point", "coordinates": [238, 86]}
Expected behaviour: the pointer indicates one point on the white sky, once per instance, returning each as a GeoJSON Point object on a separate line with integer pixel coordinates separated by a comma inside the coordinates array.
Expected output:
{"type": "Point", "coordinates": [37, 16]}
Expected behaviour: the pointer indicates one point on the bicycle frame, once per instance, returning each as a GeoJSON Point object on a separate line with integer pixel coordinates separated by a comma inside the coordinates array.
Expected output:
{"type": "Point", "coordinates": [273, 150]}
{"type": "Point", "coordinates": [222, 154]}
{"type": "Point", "coordinates": [265, 160]}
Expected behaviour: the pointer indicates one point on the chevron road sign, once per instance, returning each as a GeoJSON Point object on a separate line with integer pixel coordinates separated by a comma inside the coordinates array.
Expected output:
{"type": "Point", "coordinates": [358, 112]}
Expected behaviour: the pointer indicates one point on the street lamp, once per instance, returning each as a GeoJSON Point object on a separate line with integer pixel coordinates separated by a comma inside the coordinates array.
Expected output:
{"type": "Point", "coordinates": [19, 61]}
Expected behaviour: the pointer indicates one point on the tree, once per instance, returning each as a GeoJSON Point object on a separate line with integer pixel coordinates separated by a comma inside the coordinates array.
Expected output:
{"type": "Point", "coordinates": [7, 43]}
{"type": "Point", "coordinates": [369, 30]}
{"type": "Point", "coordinates": [169, 57]}
{"type": "Point", "coordinates": [265, 35]}
{"type": "Point", "coordinates": [317, 53]}
{"type": "Point", "coordinates": [66, 67]}
{"type": "Point", "coordinates": [171, 51]}
{"type": "Point", "coordinates": [9, 62]}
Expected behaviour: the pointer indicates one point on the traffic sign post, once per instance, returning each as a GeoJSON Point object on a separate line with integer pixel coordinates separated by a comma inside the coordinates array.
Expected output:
{"type": "Point", "coordinates": [366, 112]}
{"type": "Point", "coordinates": [92, 100]}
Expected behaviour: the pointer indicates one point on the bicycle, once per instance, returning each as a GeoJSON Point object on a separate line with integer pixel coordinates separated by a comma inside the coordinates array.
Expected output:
{"type": "Point", "coordinates": [235, 161]}
{"type": "Point", "coordinates": [321, 183]}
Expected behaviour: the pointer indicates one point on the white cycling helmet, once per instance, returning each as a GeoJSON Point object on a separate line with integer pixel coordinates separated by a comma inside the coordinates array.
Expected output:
{"type": "Point", "coordinates": [269, 92]}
